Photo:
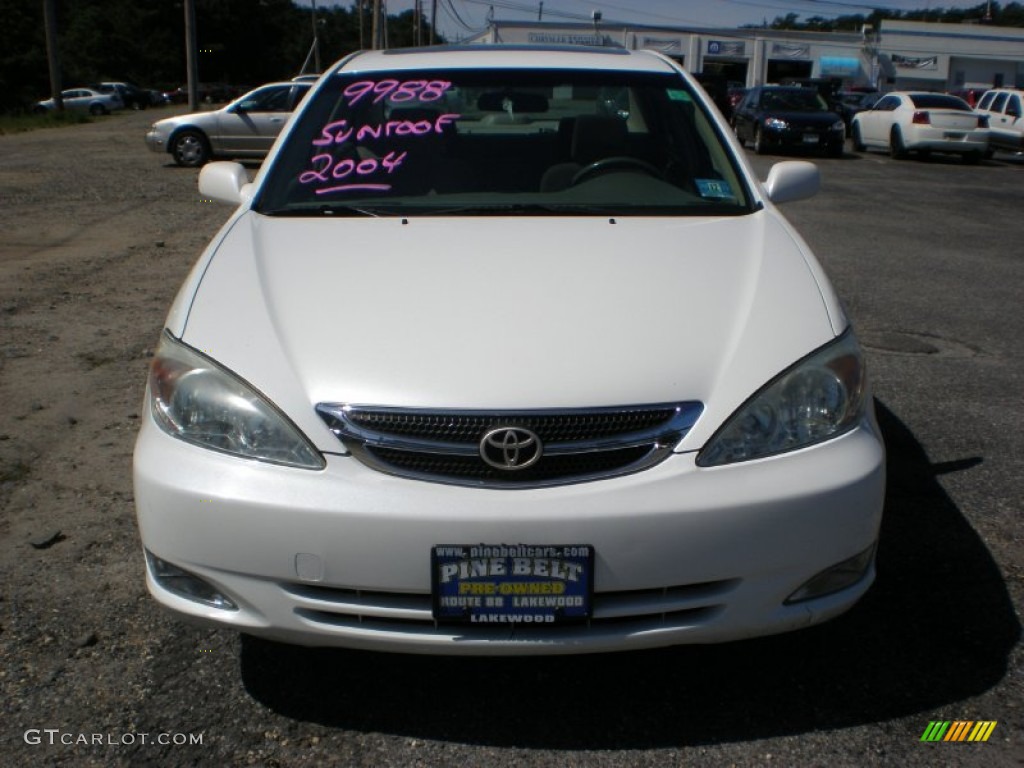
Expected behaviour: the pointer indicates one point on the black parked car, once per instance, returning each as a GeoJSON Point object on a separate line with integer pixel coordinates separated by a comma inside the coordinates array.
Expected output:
{"type": "Point", "coordinates": [787, 117]}
{"type": "Point", "coordinates": [852, 102]}
{"type": "Point", "coordinates": [132, 96]}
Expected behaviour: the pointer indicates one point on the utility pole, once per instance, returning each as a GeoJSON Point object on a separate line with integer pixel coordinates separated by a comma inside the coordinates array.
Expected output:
{"type": "Point", "coordinates": [375, 26]}
{"type": "Point", "coordinates": [433, 19]}
{"type": "Point", "coordinates": [52, 57]}
{"type": "Point", "coordinates": [191, 55]}
{"type": "Point", "coordinates": [540, 12]}
{"type": "Point", "coordinates": [316, 42]}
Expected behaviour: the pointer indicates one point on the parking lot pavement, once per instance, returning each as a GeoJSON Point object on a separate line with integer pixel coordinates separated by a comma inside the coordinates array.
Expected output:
{"type": "Point", "coordinates": [97, 235]}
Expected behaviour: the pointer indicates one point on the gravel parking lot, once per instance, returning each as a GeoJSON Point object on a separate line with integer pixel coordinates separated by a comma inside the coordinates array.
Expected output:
{"type": "Point", "coordinates": [96, 234]}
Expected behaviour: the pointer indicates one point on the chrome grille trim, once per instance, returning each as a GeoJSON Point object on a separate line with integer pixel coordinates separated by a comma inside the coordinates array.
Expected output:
{"type": "Point", "coordinates": [352, 607]}
{"type": "Point", "coordinates": [443, 445]}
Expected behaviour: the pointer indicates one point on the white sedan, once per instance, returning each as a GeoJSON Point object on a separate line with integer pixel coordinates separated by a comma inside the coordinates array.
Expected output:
{"type": "Point", "coordinates": [83, 100]}
{"type": "Point", "coordinates": [508, 351]}
{"type": "Point", "coordinates": [903, 122]}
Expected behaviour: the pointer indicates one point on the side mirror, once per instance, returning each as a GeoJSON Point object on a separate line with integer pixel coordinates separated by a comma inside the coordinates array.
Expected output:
{"type": "Point", "coordinates": [792, 180]}
{"type": "Point", "coordinates": [225, 182]}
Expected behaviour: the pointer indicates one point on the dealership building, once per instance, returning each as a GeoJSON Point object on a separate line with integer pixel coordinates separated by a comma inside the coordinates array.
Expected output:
{"type": "Point", "coordinates": [900, 55]}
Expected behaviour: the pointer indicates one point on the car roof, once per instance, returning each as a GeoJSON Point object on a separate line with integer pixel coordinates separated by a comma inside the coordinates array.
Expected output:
{"type": "Point", "coordinates": [505, 56]}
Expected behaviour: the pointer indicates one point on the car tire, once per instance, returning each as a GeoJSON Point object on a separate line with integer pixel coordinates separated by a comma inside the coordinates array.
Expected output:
{"type": "Point", "coordinates": [97, 109]}
{"type": "Point", "coordinates": [836, 149]}
{"type": "Point", "coordinates": [739, 139]}
{"type": "Point", "coordinates": [897, 149]}
{"type": "Point", "coordinates": [190, 149]}
{"type": "Point", "coordinates": [759, 143]}
{"type": "Point", "coordinates": [858, 142]}
{"type": "Point", "coordinates": [972, 158]}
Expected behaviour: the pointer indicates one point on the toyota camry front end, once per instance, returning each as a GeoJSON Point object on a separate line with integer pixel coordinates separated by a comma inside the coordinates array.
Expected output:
{"type": "Point", "coordinates": [506, 351]}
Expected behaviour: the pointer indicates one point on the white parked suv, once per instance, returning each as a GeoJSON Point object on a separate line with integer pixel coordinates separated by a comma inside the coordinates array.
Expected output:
{"type": "Point", "coordinates": [1005, 110]}
{"type": "Point", "coordinates": [506, 350]}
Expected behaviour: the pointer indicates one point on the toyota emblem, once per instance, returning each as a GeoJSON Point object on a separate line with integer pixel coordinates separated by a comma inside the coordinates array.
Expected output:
{"type": "Point", "coordinates": [511, 448]}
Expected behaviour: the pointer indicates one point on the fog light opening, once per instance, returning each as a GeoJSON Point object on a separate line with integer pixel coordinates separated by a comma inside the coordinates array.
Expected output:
{"type": "Point", "coordinates": [835, 579]}
{"type": "Point", "coordinates": [187, 585]}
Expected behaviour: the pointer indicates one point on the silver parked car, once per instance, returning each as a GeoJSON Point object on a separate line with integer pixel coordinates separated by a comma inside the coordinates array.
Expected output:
{"type": "Point", "coordinates": [245, 128]}
{"type": "Point", "coordinates": [83, 99]}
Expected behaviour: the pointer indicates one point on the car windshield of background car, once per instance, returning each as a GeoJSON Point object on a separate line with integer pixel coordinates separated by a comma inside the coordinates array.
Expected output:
{"type": "Point", "coordinates": [504, 142]}
{"type": "Point", "coordinates": [795, 100]}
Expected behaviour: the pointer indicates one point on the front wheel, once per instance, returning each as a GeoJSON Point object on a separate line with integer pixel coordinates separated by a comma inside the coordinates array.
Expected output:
{"type": "Point", "coordinates": [97, 109]}
{"type": "Point", "coordinates": [739, 138]}
{"type": "Point", "coordinates": [190, 149]}
{"type": "Point", "coordinates": [759, 144]}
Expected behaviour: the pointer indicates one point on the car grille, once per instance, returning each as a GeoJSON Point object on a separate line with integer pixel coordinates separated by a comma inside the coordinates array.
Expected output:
{"type": "Point", "coordinates": [637, 610]}
{"type": "Point", "coordinates": [510, 449]}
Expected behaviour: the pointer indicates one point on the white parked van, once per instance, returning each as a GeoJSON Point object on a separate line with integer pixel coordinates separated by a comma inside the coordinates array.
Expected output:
{"type": "Point", "coordinates": [1005, 110]}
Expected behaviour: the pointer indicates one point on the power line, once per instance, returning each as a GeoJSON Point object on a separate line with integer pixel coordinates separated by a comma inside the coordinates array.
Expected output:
{"type": "Point", "coordinates": [454, 15]}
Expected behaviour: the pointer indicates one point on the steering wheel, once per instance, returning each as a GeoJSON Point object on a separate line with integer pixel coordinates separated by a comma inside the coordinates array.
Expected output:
{"type": "Point", "coordinates": [611, 165]}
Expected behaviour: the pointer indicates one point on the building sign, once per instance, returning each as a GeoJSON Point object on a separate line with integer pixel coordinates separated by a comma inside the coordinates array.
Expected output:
{"type": "Point", "coordinates": [561, 38]}
{"type": "Point", "coordinates": [915, 62]}
{"type": "Point", "coordinates": [670, 46]}
{"type": "Point", "coordinates": [727, 48]}
{"type": "Point", "coordinates": [791, 50]}
{"type": "Point", "coordinates": [839, 66]}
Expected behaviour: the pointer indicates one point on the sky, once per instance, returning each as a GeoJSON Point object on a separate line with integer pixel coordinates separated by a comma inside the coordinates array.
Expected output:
{"type": "Point", "coordinates": [461, 18]}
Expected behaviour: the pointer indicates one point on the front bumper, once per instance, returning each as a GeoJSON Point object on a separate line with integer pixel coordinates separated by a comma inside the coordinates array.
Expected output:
{"type": "Point", "coordinates": [156, 141]}
{"type": "Point", "coordinates": [812, 139]}
{"type": "Point", "coordinates": [1008, 140]}
{"type": "Point", "coordinates": [341, 557]}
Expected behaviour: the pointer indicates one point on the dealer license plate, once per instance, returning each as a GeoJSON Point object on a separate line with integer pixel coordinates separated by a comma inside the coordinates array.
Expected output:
{"type": "Point", "coordinates": [810, 138]}
{"type": "Point", "coordinates": [512, 583]}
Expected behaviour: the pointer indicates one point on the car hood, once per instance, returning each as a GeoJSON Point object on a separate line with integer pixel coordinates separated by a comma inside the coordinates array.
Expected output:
{"type": "Point", "coordinates": [507, 312]}
{"type": "Point", "coordinates": [201, 119]}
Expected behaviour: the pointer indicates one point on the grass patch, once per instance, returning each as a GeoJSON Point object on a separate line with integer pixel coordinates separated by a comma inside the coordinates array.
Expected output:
{"type": "Point", "coordinates": [22, 123]}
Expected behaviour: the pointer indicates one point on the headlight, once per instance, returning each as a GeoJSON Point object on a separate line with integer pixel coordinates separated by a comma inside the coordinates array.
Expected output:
{"type": "Point", "coordinates": [820, 397]}
{"type": "Point", "coordinates": [196, 400]}
{"type": "Point", "coordinates": [838, 125]}
{"type": "Point", "coordinates": [775, 124]}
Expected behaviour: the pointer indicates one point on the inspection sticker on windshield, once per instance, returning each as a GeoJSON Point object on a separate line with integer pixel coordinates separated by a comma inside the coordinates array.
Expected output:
{"type": "Point", "coordinates": [512, 583]}
{"type": "Point", "coordinates": [715, 188]}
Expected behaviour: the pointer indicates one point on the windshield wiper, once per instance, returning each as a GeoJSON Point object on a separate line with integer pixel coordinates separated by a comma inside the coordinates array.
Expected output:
{"type": "Point", "coordinates": [332, 210]}
{"type": "Point", "coordinates": [500, 209]}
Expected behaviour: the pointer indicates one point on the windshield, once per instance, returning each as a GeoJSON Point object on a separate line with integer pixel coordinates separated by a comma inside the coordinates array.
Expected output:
{"type": "Point", "coordinates": [793, 100]}
{"type": "Point", "coordinates": [504, 142]}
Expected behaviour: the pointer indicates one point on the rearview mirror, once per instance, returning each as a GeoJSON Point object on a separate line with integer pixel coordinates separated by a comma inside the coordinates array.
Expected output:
{"type": "Point", "coordinates": [225, 182]}
{"type": "Point", "coordinates": [792, 180]}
